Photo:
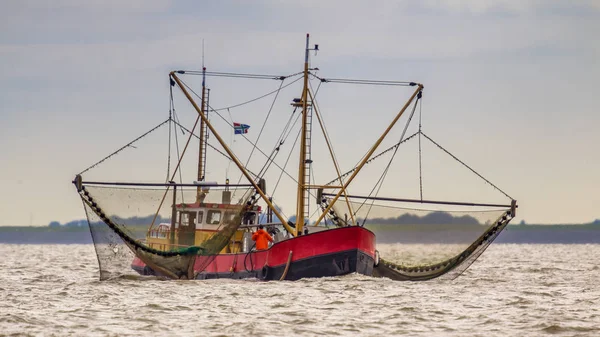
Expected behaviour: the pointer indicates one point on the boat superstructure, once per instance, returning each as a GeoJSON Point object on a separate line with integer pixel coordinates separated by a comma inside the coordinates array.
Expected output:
{"type": "Point", "coordinates": [201, 231]}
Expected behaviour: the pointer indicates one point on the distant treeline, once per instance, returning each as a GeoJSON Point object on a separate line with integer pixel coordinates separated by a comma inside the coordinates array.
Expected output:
{"type": "Point", "coordinates": [145, 220]}
{"type": "Point", "coordinates": [77, 232]}
{"type": "Point", "coordinates": [434, 218]}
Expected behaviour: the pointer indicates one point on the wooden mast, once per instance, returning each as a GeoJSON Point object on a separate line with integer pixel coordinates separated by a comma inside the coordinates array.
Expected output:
{"type": "Point", "coordinates": [370, 153]}
{"type": "Point", "coordinates": [202, 147]}
{"type": "Point", "coordinates": [230, 153]}
{"type": "Point", "coordinates": [302, 162]}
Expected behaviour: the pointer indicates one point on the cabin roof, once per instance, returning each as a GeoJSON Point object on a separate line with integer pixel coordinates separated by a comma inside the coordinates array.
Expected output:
{"type": "Point", "coordinates": [213, 205]}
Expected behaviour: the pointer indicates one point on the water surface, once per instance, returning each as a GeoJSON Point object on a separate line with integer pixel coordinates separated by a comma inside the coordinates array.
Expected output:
{"type": "Point", "coordinates": [512, 290]}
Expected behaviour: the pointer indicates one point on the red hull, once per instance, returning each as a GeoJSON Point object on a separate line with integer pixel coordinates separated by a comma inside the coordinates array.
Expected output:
{"type": "Point", "coordinates": [327, 253]}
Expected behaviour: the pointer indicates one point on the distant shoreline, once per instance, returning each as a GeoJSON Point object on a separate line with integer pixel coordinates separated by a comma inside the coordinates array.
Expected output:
{"type": "Point", "coordinates": [525, 234]}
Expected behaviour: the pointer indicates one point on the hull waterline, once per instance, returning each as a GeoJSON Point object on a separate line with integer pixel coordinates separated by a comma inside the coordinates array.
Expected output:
{"type": "Point", "coordinates": [333, 252]}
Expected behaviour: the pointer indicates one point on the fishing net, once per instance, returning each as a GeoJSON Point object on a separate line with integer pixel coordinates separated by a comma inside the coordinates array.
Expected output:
{"type": "Point", "coordinates": [129, 222]}
{"type": "Point", "coordinates": [428, 241]}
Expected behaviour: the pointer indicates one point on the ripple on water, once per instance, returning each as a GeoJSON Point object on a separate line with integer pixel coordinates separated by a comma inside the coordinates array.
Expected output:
{"type": "Point", "coordinates": [512, 290]}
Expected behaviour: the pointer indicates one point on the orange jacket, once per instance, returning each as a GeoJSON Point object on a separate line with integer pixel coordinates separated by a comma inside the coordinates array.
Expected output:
{"type": "Point", "coordinates": [262, 239]}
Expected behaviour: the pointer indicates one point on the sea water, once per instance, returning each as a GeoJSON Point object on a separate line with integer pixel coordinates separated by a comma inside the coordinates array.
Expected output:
{"type": "Point", "coordinates": [512, 290]}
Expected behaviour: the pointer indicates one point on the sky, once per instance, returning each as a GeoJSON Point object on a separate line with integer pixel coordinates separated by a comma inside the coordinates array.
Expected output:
{"type": "Point", "coordinates": [511, 87]}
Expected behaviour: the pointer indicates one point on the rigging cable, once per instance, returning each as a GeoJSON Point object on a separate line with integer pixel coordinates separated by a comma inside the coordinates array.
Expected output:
{"type": "Point", "coordinates": [288, 158]}
{"type": "Point", "coordinates": [237, 75]}
{"type": "Point", "coordinates": [249, 101]}
{"type": "Point", "coordinates": [231, 140]}
{"type": "Point", "coordinates": [385, 171]}
{"type": "Point", "coordinates": [285, 164]}
{"type": "Point", "coordinates": [173, 176]}
{"type": "Point", "coordinates": [282, 139]}
{"type": "Point", "coordinates": [375, 157]}
{"type": "Point", "coordinates": [209, 145]}
{"type": "Point", "coordinates": [254, 146]}
{"type": "Point", "coordinates": [178, 152]}
{"type": "Point", "coordinates": [124, 147]}
{"type": "Point", "coordinates": [420, 157]}
{"type": "Point", "coordinates": [243, 136]}
{"type": "Point", "coordinates": [368, 82]}
{"type": "Point", "coordinates": [467, 166]}
{"type": "Point", "coordinates": [330, 145]}
{"type": "Point", "coordinates": [170, 120]}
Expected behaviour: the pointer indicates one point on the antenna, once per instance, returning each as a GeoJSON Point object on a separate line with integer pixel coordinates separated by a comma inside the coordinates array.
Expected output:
{"type": "Point", "coordinates": [316, 49]}
{"type": "Point", "coordinates": [202, 53]}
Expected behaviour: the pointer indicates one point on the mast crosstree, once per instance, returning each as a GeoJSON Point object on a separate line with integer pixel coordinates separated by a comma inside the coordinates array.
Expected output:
{"type": "Point", "coordinates": [210, 238]}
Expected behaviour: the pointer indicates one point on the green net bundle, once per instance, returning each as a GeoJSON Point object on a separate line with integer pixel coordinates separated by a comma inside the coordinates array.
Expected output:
{"type": "Point", "coordinates": [423, 241]}
{"type": "Point", "coordinates": [136, 221]}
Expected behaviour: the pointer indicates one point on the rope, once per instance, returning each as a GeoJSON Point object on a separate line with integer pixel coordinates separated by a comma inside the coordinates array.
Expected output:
{"type": "Point", "coordinates": [124, 147]}
{"type": "Point", "coordinates": [420, 160]}
{"type": "Point", "coordinates": [243, 136]}
{"type": "Point", "coordinates": [425, 272]}
{"type": "Point", "coordinates": [286, 162]}
{"type": "Point", "coordinates": [184, 129]}
{"type": "Point", "coordinates": [467, 166]}
{"type": "Point", "coordinates": [375, 157]}
{"type": "Point", "coordinates": [287, 267]}
{"type": "Point", "coordinates": [170, 119]}
{"type": "Point", "coordinates": [323, 126]}
{"type": "Point", "coordinates": [368, 82]}
{"type": "Point", "coordinates": [231, 140]}
{"type": "Point", "coordinates": [385, 171]}
{"type": "Point", "coordinates": [173, 176]}
{"type": "Point", "coordinates": [236, 75]}
{"type": "Point", "coordinates": [282, 139]}
{"type": "Point", "coordinates": [88, 200]}
{"type": "Point", "coordinates": [178, 155]}
{"type": "Point", "coordinates": [260, 134]}
{"type": "Point", "coordinates": [254, 99]}
{"type": "Point", "coordinates": [246, 258]}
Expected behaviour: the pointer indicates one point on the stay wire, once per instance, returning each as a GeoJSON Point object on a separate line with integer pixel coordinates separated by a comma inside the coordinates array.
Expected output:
{"type": "Point", "coordinates": [211, 146]}
{"type": "Point", "coordinates": [254, 146]}
{"type": "Point", "coordinates": [255, 99]}
{"type": "Point", "coordinates": [379, 183]}
{"type": "Point", "coordinates": [326, 135]}
{"type": "Point", "coordinates": [237, 75]}
{"type": "Point", "coordinates": [467, 166]}
{"type": "Point", "coordinates": [286, 162]}
{"type": "Point", "coordinates": [124, 147]}
{"type": "Point", "coordinates": [170, 125]}
{"type": "Point", "coordinates": [374, 157]}
{"type": "Point", "coordinates": [275, 151]}
{"type": "Point", "coordinates": [420, 156]}
{"type": "Point", "coordinates": [231, 140]}
{"type": "Point", "coordinates": [244, 137]}
{"type": "Point", "coordinates": [360, 81]}
{"type": "Point", "coordinates": [178, 153]}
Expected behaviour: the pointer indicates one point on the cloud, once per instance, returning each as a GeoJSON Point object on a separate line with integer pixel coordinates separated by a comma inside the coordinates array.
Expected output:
{"type": "Point", "coordinates": [82, 67]}
{"type": "Point", "coordinates": [130, 6]}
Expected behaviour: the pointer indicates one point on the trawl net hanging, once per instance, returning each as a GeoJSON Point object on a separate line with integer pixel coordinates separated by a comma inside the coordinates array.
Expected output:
{"type": "Point", "coordinates": [173, 232]}
{"type": "Point", "coordinates": [424, 241]}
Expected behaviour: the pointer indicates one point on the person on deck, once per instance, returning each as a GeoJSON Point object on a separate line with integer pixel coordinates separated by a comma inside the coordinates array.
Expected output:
{"type": "Point", "coordinates": [262, 238]}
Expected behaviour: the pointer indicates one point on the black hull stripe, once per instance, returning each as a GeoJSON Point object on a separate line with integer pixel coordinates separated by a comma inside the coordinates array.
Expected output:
{"type": "Point", "coordinates": [333, 264]}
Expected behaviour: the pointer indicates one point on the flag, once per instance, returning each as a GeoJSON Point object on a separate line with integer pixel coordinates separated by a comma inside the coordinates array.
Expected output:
{"type": "Point", "coordinates": [240, 128]}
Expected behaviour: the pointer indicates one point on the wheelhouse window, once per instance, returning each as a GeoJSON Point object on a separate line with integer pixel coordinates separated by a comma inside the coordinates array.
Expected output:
{"type": "Point", "coordinates": [187, 218]}
{"type": "Point", "coordinates": [249, 218]}
{"type": "Point", "coordinates": [229, 217]}
{"type": "Point", "coordinates": [183, 219]}
{"type": "Point", "coordinates": [213, 217]}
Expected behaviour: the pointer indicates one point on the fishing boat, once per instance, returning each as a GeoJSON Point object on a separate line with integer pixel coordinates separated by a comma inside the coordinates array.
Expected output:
{"type": "Point", "coordinates": [199, 230]}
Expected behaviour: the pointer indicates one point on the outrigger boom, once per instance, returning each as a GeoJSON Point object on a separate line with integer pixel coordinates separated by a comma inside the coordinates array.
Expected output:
{"type": "Point", "coordinates": [212, 238]}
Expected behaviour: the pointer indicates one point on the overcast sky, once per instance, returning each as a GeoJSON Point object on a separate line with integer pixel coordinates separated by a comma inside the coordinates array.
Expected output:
{"type": "Point", "coordinates": [510, 86]}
